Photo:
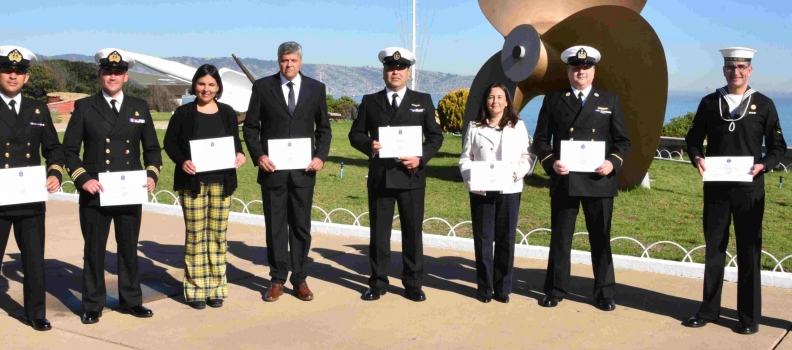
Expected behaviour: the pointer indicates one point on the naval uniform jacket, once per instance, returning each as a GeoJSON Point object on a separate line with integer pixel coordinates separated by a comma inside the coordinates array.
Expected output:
{"type": "Point", "coordinates": [268, 118]}
{"type": "Point", "coordinates": [21, 137]}
{"type": "Point", "coordinates": [375, 111]}
{"type": "Point", "coordinates": [109, 143]}
{"type": "Point", "coordinates": [760, 121]}
{"type": "Point", "coordinates": [601, 119]}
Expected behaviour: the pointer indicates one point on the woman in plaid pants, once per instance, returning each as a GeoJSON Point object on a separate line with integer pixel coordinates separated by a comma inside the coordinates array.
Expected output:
{"type": "Point", "coordinates": [205, 195]}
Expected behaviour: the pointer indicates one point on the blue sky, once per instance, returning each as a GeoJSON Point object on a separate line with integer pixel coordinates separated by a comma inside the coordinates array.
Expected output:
{"type": "Point", "coordinates": [351, 32]}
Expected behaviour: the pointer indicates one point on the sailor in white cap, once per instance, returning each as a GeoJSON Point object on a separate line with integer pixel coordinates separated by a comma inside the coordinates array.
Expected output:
{"type": "Point", "coordinates": [592, 116]}
{"type": "Point", "coordinates": [735, 120]}
{"type": "Point", "coordinates": [401, 182]}
{"type": "Point", "coordinates": [27, 133]}
{"type": "Point", "coordinates": [111, 127]}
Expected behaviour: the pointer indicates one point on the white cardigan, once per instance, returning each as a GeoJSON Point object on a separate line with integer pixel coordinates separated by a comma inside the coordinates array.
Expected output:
{"type": "Point", "coordinates": [481, 144]}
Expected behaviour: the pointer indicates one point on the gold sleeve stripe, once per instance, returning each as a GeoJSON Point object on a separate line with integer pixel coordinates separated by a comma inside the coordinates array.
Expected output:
{"type": "Point", "coordinates": [617, 156]}
{"type": "Point", "coordinates": [545, 158]}
{"type": "Point", "coordinates": [55, 167]}
{"type": "Point", "coordinates": [77, 173]}
{"type": "Point", "coordinates": [154, 169]}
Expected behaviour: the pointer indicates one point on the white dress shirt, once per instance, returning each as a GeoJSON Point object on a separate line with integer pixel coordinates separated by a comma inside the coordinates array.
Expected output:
{"type": "Point", "coordinates": [399, 95]}
{"type": "Point", "coordinates": [585, 92]}
{"type": "Point", "coordinates": [18, 100]}
{"type": "Point", "coordinates": [119, 99]}
{"type": "Point", "coordinates": [297, 81]}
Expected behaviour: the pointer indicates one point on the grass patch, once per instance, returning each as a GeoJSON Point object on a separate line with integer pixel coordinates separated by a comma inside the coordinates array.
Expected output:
{"type": "Point", "coordinates": [670, 211]}
{"type": "Point", "coordinates": [161, 116]}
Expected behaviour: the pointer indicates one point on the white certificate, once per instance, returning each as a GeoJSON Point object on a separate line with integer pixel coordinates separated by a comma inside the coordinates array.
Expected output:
{"type": "Point", "coordinates": [491, 176]}
{"type": "Point", "coordinates": [23, 185]}
{"type": "Point", "coordinates": [728, 169]}
{"type": "Point", "coordinates": [290, 154]}
{"type": "Point", "coordinates": [123, 188]}
{"type": "Point", "coordinates": [401, 141]}
{"type": "Point", "coordinates": [213, 154]}
{"type": "Point", "coordinates": [582, 156]}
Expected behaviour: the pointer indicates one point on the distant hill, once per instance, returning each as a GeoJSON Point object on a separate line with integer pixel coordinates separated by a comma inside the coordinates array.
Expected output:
{"type": "Point", "coordinates": [340, 80]}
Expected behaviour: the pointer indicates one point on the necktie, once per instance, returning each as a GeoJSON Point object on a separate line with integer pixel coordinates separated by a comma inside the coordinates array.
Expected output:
{"type": "Point", "coordinates": [579, 102]}
{"type": "Point", "coordinates": [115, 110]}
{"type": "Point", "coordinates": [12, 104]}
{"type": "Point", "coordinates": [291, 97]}
{"type": "Point", "coordinates": [393, 102]}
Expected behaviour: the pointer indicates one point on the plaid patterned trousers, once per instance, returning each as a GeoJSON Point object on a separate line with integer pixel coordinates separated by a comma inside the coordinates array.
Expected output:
{"type": "Point", "coordinates": [206, 220]}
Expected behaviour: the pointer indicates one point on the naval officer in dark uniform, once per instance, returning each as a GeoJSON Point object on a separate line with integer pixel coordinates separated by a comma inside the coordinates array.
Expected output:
{"type": "Point", "coordinates": [399, 181]}
{"type": "Point", "coordinates": [581, 113]}
{"type": "Point", "coordinates": [111, 127]}
{"type": "Point", "coordinates": [25, 129]}
{"type": "Point", "coordinates": [735, 120]}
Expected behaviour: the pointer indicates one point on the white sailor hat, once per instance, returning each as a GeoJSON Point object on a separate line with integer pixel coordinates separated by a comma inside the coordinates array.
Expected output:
{"type": "Point", "coordinates": [17, 57]}
{"type": "Point", "coordinates": [737, 54]}
{"type": "Point", "coordinates": [577, 55]}
{"type": "Point", "coordinates": [111, 58]}
{"type": "Point", "coordinates": [395, 56]}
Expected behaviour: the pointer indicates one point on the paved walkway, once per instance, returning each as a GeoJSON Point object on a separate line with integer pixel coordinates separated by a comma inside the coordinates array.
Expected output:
{"type": "Point", "coordinates": [650, 308]}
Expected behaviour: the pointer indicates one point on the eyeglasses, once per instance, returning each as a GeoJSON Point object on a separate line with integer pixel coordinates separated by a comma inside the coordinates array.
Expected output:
{"type": "Point", "coordinates": [741, 68]}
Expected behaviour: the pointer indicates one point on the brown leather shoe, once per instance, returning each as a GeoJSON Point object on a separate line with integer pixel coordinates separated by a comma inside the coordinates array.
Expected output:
{"type": "Point", "coordinates": [303, 292]}
{"type": "Point", "coordinates": [274, 292]}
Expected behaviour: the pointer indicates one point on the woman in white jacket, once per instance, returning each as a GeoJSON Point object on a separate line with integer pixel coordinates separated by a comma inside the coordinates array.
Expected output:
{"type": "Point", "coordinates": [497, 134]}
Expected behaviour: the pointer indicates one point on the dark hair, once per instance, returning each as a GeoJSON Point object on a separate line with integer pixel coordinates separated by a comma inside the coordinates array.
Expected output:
{"type": "Point", "coordinates": [510, 116]}
{"type": "Point", "coordinates": [207, 69]}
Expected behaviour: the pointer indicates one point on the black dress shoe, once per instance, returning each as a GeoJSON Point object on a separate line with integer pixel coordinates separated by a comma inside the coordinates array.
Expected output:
{"type": "Point", "coordinates": [743, 329]}
{"type": "Point", "coordinates": [215, 303]}
{"type": "Point", "coordinates": [90, 317]}
{"type": "Point", "coordinates": [414, 294]}
{"type": "Point", "coordinates": [697, 322]}
{"type": "Point", "coordinates": [550, 301]}
{"type": "Point", "coordinates": [40, 324]}
{"type": "Point", "coordinates": [373, 294]}
{"type": "Point", "coordinates": [606, 304]}
{"type": "Point", "coordinates": [501, 298]}
{"type": "Point", "coordinates": [198, 305]}
{"type": "Point", "coordinates": [484, 299]}
{"type": "Point", "coordinates": [140, 311]}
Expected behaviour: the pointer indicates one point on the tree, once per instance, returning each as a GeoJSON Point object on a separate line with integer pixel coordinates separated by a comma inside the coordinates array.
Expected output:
{"type": "Point", "coordinates": [451, 110]}
{"type": "Point", "coordinates": [160, 100]}
{"type": "Point", "coordinates": [344, 105]}
{"type": "Point", "coordinates": [42, 81]}
{"type": "Point", "coordinates": [678, 126]}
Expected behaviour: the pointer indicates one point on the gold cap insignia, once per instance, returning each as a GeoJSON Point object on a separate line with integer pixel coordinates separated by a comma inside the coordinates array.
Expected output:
{"type": "Point", "coordinates": [753, 107]}
{"type": "Point", "coordinates": [114, 57]}
{"type": "Point", "coordinates": [37, 111]}
{"type": "Point", "coordinates": [396, 56]}
{"type": "Point", "coordinates": [137, 114]}
{"type": "Point", "coordinates": [582, 54]}
{"type": "Point", "coordinates": [15, 56]}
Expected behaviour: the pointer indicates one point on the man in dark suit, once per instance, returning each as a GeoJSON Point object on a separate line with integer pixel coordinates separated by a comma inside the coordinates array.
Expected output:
{"type": "Point", "coordinates": [25, 128]}
{"type": "Point", "coordinates": [288, 105]}
{"type": "Point", "coordinates": [581, 113]}
{"type": "Point", "coordinates": [400, 181]}
{"type": "Point", "coordinates": [735, 120]}
{"type": "Point", "coordinates": [111, 127]}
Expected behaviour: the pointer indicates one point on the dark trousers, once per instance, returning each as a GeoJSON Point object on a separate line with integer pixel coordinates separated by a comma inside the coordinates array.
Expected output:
{"type": "Point", "coordinates": [411, 211]}
{"type": "Point", "coordinates": [95, 225]}
{"type": "Point", "coordinates": [287, 219]}
{"type": "Point", "coordinates": [29, 235]}
{"type": "Point", "coordinates": [494, 220]}
{"type": "Point", "coordinates": [746, 206]}
{"type": "Point", "coordinates": [564, 210]}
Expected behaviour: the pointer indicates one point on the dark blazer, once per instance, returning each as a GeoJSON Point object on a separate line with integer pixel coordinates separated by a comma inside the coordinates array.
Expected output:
{"type": "Point", "coordinates": [268, 119]}
{"type": "Point", "coordinates": [601, 119]}
{"type": "Point", "coordinates": [416, 109]}
{"type": "Point", "coordinates": [181, 130]}
{"type": "Point", "coordinates": [21, 138]}
{"type": "Point", "coordinates": [109, 143]}
{"type": "Point", "coordinates": [759, 126]}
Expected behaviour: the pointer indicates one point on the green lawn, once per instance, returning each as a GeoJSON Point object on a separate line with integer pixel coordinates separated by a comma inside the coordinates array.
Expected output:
{"type": "Point", "coordinates": [161, 116]}
{"type": "Point", "coordinates": [670, 211]}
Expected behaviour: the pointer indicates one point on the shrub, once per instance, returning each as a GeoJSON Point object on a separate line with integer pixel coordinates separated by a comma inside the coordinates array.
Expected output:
{"type": "Point", "coordinates": [678, 126]}
{"type": "Point", "coordinates": [451, 110]}
{"type": "Point", "coordinates": [344, 106]}
{"type": "Point", "coordinates": [160, 100]}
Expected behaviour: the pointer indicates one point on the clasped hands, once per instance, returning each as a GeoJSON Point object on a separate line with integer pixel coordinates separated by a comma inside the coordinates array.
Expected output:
{"type": "Point", "coordinates": [603, 170]}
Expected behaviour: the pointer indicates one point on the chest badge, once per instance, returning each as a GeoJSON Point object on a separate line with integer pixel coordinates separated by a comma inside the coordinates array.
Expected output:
{"type": "Point", "coordinates": [37, 111]}
{"type": "Point", "coordinates": [753, 107]}
{"type": "Point", "coordinates": [137, 114]}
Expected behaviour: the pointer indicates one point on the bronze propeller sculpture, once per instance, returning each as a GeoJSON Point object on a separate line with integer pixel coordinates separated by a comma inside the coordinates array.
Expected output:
{"type": "Point", "coordinates": [633, 64]}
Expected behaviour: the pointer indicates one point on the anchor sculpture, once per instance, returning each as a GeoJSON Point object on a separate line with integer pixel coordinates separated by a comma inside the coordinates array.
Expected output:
{"type": "Point", "coordinates": [633, 64]}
